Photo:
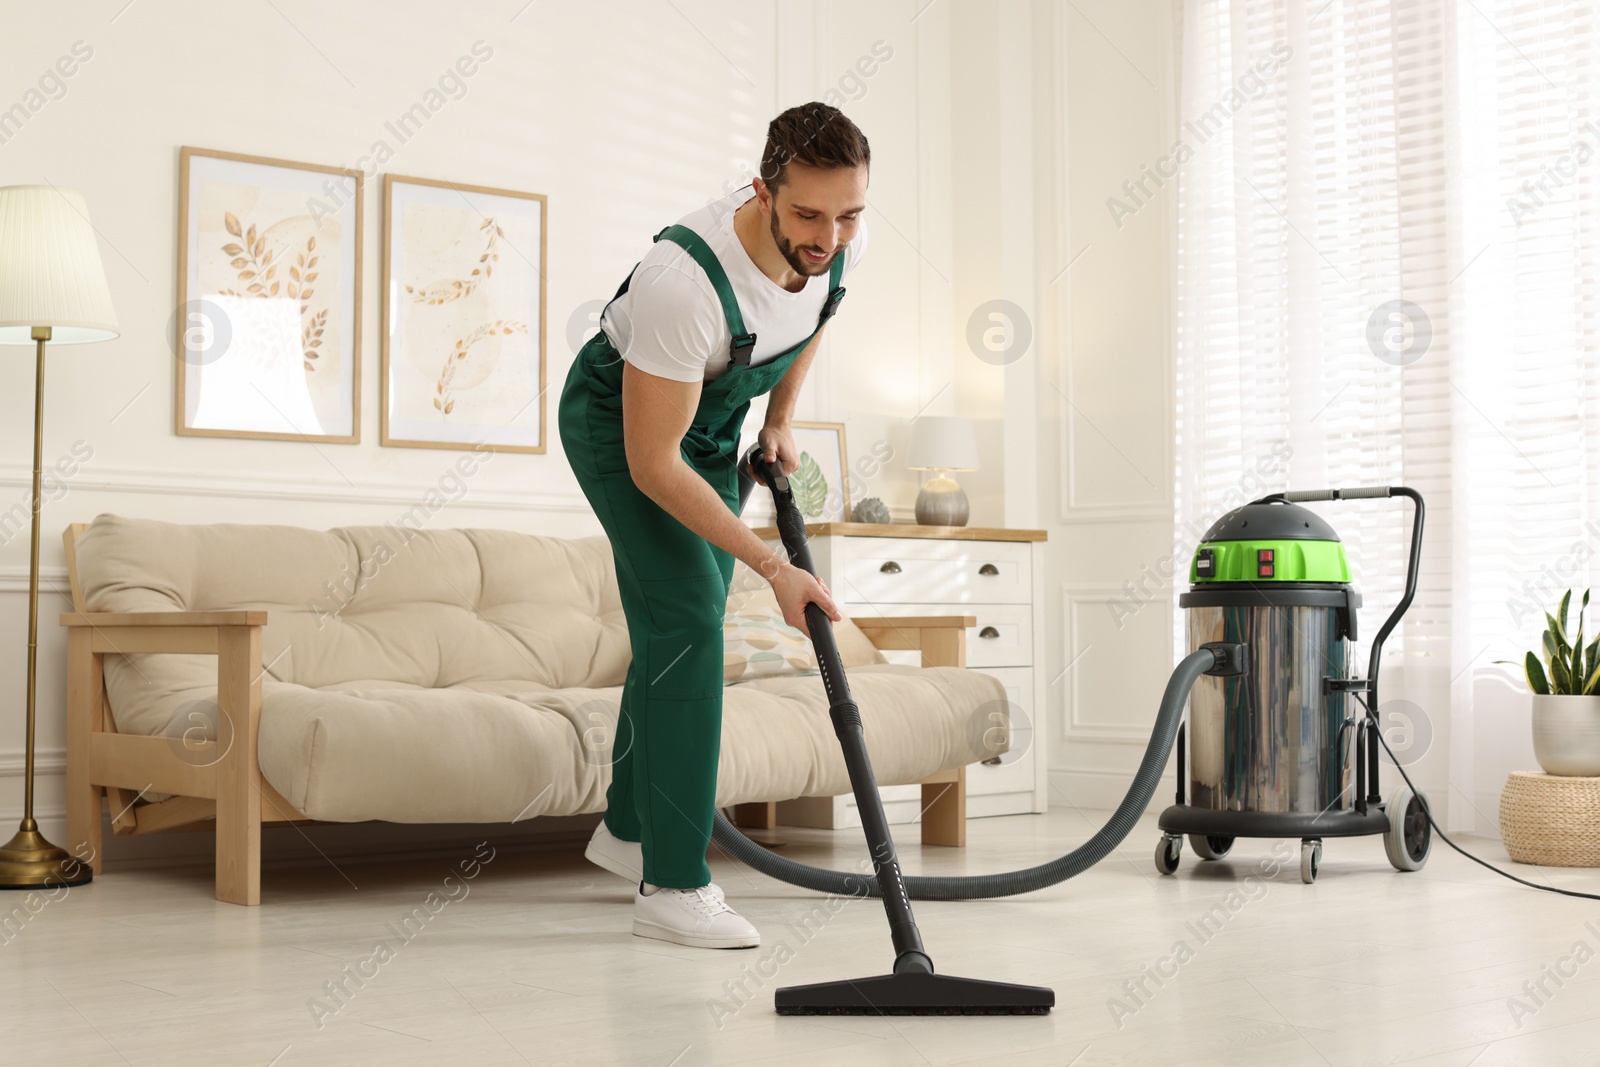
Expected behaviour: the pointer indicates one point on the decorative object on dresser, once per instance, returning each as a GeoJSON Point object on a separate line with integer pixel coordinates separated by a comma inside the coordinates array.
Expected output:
{"type": "Point", "coordinates": [821, 483]}
{"type": "Point", "coordinates": [942, 443]}
{"type": "Point", "coordinates": [462, 347]}
{"type": "Point", "coordinates": [52, 289]}
{"type": "Point", "coordinates": [871, 509]}
{"type": "Point", "coordinates": [985, 573]}
{"type": "Point", "coordinates": [268, 328]}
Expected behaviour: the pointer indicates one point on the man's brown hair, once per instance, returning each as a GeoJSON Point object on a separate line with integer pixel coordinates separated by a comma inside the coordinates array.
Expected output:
{"type": "Point", "coordinates": [815, 134]}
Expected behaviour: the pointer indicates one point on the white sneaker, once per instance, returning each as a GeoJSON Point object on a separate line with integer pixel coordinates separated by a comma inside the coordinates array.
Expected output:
{"type": "Point", "coordinates": [699, 918]}
{"type": "Point", "coordinates": [622, 858]}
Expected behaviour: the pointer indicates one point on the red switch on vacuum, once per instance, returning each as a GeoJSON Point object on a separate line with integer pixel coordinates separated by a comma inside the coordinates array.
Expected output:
{"type": "Point", "coordinates": [1264, 563]}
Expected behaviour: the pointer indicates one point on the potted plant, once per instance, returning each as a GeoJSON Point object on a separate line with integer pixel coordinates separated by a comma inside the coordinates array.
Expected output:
{"type": "Point", "coordinates": [1566, 697]}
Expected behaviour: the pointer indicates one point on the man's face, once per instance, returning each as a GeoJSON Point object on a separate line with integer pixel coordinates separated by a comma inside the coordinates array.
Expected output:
{"type": "Point", "coordinates": [814, 214]}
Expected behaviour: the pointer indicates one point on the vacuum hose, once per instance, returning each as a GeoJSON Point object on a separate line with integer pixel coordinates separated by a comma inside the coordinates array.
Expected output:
{"type": "Point", "coordinates": [940, 887]}
{"type": "Point", "coordinates": [1008, 883]}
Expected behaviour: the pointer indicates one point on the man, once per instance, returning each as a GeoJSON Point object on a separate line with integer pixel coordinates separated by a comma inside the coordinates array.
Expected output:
{"type": "Point", "coordinates": [728, 304]}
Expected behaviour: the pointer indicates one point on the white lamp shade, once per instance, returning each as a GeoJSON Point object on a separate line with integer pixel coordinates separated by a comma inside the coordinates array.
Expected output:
{"type": "Point", "coordinates": [942, 442]}
{"type": "Point", "coordinates": [50, 271]}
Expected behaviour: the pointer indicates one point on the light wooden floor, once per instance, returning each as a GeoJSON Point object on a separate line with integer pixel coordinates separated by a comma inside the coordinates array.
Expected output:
{"type": "Point", "coordinates": [532, 962]}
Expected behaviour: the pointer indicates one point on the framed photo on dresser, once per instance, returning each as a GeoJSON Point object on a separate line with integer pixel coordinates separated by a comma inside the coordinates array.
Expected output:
{"type": "Point", "coordinates": [821, 484]}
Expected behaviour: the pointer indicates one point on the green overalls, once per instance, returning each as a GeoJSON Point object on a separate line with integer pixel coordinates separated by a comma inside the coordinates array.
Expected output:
{"type": "Point", "coordinates": [674, 585]}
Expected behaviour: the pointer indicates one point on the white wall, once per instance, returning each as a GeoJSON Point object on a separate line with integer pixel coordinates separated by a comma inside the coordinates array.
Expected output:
{"type": "Point", "coordinates": [1103, 404]}
{"type": "Point", "coordinates": [998, 128]}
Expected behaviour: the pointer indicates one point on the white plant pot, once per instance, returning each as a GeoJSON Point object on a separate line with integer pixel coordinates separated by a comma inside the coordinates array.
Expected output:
{"type": "Point", "coordinates": [1566, 734]}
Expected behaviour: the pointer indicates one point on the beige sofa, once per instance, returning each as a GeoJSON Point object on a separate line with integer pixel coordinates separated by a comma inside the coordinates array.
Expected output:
{"type": "Point", "coordinates": [259, 674]}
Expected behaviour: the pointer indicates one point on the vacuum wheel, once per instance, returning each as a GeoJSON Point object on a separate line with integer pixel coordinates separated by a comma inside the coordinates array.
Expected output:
{"type": "Point", "coordinates": [1310, 859]}
{"type": "Point", "coordinates": [1210, 846]}
{"type": "Point", "coordinates": [1167, 851]}
{"type": "Point", "coordinates": [1410, 835]}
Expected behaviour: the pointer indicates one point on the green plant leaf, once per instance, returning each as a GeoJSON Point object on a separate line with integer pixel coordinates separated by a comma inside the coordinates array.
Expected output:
{"type": "Point", "coordinates": [1592, 681]}
{"type": "Point", "coordinates": [1575, 668]}
{"type": "Point", "coordinates": [1561, 615]}
{"type": "Point", "coordinates": [1551, 647]}
{"type": "Point", "coordinates": [810, 487]}
{"type": "Point", "coordinates": [1555, 628]}
{"type": "Point", "coordinates": [1560, 677]}
{"type": "Point", "coordinates": [1535, 675]}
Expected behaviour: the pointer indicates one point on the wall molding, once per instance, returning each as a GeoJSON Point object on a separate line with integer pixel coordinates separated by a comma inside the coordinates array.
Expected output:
{"type": "Point", "coordinates": [15, 580]}
{"type": "Point", "coordinates": [1072, 508]}
{"type": "Point", "coordinates": [46, 761]}
{"type": "Point", "coordinates": [270, 486]}
{"type": "Point", "coordinates": [1072, 727]}
{"type": "Point", "coordinates": [1103, 790]}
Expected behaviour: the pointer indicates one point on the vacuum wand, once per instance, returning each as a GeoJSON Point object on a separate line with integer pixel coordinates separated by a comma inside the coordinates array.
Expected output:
{"type": "Point", "coordinates": [846, 716]}
{"type": "Point", "coordinates": [912, 988]}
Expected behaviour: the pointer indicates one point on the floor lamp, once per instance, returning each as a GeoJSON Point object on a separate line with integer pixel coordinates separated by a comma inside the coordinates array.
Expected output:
{"type": "Point", "coordinates": [52, 288]}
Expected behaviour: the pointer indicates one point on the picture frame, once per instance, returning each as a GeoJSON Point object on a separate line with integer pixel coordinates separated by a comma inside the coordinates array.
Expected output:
{"type": "Point", "coordinates": [823, 444]}
{"type": "Point", "coordinates": [463, 360]}
{"type": "Point", "coordinates": [267, 328]}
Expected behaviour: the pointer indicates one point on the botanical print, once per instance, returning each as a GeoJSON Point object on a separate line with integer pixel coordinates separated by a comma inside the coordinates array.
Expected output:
{"type": "Point", "coordinates": [273, 283]}
{"type": "Point", "coordinates": [442, 291]}
{"type": "Point", "coordinates": [257, 270]}
{"type": "Point", "coordinates": [463, 355]}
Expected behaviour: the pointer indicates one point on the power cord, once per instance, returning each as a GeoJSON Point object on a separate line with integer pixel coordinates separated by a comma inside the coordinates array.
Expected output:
{"type": "Point", "coordinates": [1423, 801]}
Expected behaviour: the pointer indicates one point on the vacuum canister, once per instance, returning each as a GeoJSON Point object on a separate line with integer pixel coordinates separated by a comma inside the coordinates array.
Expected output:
{"type": "Point", "coordinates": [1274, 739]}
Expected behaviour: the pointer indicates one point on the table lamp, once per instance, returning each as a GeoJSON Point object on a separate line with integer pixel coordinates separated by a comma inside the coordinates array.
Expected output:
{"type": "Point", "coordinates": [52, 288]}
{"type": "Point", "coordinates": [942, 443]}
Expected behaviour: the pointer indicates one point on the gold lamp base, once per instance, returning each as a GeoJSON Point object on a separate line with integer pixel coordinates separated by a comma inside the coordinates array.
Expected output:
{"type": "Point", "coordinates": [29, 861]}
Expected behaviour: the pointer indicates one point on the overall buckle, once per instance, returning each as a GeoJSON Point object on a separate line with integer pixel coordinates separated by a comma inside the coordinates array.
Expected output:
{"type": "Point", "coordinates": [831, 306]}
{"type": "Point", "coordinates": [739, 351]}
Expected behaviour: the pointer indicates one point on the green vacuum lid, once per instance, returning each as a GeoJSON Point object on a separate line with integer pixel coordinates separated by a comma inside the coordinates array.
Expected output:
{"type": "Point", "coordinates": [1270, 543]}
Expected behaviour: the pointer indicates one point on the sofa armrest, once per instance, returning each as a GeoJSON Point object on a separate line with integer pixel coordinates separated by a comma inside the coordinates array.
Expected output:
{"type": "Point", "coordinates": [164, 618]}
{"type": "Point", "coordinates": [225, 771]}
{"type": "Point", "coordinates": [162, 631]}
{"type": "Point", "coordinates": [942, 639]}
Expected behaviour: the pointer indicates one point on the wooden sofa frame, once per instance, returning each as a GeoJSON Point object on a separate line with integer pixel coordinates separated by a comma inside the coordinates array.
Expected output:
{"type": "Point", "coordinates": [225, 790]}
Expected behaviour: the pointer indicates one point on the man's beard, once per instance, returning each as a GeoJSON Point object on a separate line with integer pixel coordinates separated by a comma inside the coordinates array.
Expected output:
{"type": "Point", "coordinates": [798, 263]}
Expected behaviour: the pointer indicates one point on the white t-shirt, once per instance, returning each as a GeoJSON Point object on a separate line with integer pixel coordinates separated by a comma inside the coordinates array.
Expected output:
{"type": "Point", "coordinates": [670, 321]}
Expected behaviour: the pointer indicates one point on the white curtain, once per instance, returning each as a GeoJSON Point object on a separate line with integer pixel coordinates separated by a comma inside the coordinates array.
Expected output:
{"type": "Point", "coordinates": [1389, 274]}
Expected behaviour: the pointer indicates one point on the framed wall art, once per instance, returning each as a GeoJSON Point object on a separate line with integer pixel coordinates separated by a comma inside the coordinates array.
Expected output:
{"type": "Point", "coordinates": [463, 338]}
{"type": "Point", "coordinates": [821, 483]}
{"type": "Point", "coordinates": [267, 331]}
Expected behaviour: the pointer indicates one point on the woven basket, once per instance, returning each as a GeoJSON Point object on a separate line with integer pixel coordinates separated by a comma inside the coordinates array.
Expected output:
{"type": "Point", "coordinates": [1551, 820]}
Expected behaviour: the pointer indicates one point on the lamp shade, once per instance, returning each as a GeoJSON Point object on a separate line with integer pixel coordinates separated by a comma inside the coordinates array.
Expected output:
{"type": "Point", "coordinates": [942, 442]}
{"type": "Point", "coordinates": [50, 271]}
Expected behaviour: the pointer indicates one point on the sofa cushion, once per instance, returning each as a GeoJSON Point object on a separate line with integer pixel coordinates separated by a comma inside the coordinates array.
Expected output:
{"type": "Point", "coordinates": [496, 754]}
{"type": "Point", "coordinates": [467, 674]}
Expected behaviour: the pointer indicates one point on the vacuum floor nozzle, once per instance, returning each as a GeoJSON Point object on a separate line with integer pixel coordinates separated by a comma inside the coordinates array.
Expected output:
{"type": "Point", "coordinates": [914, 993]}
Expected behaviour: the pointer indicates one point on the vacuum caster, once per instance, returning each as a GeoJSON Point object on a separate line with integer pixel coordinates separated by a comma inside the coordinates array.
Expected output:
{"type": "Point", "coordinates": [1210, 847]}
{"type": "Point", "coordinates": [1167, 852]}
{"type": "Point", "coordinates": [1310, 857]}
{"type": "Point", "coordinates": [1410, 835]}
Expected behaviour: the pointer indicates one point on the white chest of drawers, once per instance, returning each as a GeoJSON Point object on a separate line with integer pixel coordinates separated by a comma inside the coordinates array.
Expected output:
{"type": "Point", "coordinates": [989, 573]}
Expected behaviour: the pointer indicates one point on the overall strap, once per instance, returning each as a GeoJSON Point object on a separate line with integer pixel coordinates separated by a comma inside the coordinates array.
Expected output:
{"type": "Point", "coordinates": [835, 292]}
{"type": "Point", "coordinates": [743, 342]}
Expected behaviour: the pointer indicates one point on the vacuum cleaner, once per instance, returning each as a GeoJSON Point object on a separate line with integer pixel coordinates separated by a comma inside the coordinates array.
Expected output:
{"type": "Point", "coordinates": [1274, 749]}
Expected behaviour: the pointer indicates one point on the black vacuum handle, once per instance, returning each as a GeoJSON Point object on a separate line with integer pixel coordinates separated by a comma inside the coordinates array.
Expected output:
{"type": "Point", "coordinates": [846, 716]}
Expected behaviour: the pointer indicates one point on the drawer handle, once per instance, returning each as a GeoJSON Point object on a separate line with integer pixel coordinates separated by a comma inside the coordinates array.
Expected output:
{"type": "Point", "coordinates": [988, 631]}
{"type": "Point", "coordinates": [890, 568]}
{"type": "Point", "coordinates": [988, 568]}
{"type": "Point", "coordinates": [992, 761]}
